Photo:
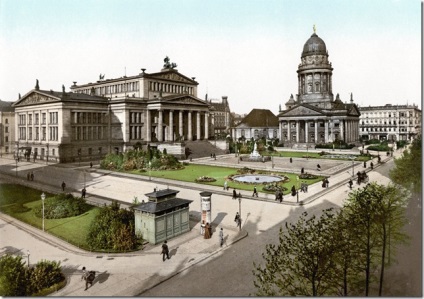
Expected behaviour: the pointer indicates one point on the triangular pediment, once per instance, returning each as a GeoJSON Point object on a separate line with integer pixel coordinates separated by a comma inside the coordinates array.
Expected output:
{"type": "Point", "coordinates": [301, 111]}
{"type": "Point", "coordinates": [36, 97]}
{"type": "Point", "coordinates": [186, 100]}
{"type": "Point", "coordinates": [354, 111]}
{"type": "Point", "coordinates": [172, 76]}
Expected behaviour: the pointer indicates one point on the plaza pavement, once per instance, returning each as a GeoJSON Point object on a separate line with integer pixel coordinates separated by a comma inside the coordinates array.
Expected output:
{"type": "Point", "coordinates": [130, 274]}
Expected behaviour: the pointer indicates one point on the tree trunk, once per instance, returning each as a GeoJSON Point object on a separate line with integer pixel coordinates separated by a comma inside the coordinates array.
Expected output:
{"type": "Point", "coordinates": [383, 258]}
{"type": "Point", "coordinates": [367, 268]}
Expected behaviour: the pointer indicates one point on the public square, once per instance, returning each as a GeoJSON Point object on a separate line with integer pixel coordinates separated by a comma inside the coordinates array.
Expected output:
{"type": "Point", "coordinates": [197, 266]}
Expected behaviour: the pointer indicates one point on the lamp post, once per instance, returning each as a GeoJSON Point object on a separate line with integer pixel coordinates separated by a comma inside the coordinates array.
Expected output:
{"type": "Point", "coordinates": [47, 158]}
{"type": "Point", "coordinates": [43, 196]}
{"type": "Point", "coordinates": [239, 200]}
{"type": "Point", "coordinates": [150, 166]}
{"type": "Point", "coordinates": [28, 257]}
{"type": "Point", "coordinates": [16, 161]}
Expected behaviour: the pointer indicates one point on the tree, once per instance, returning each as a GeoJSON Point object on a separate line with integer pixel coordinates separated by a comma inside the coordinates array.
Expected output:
{"type": "Point", "coordinates": [113, 228]}
{"type": "Point", "coordinates": [12, 276]}
{"type": "Point", "coordinates": [301, 263]}
{"type": "Point", "coordinates": [390, 220]}
{"type": "Point", "coordinates": [407, 171]}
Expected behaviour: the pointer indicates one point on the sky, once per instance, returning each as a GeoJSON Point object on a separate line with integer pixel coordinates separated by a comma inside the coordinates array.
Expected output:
{"type": "Point", "coordinates": [247, 50]}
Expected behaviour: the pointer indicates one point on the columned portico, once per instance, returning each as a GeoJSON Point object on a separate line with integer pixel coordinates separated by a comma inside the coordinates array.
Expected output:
{"type": "Point", "coordinates": [160, 125]}
{"type": "Point", "coordinates": [297, 131]}
{"type": "Point", "coordinates": [148, 125]}
{"type": "Point", "coordinates": [180, 125]}
{"type": "Point", "coordinates": [198, 126]}
{"type": "Point", "coordinates": [326, 131]}
{"type": "Point", "coordinates": [171, 126]}
{"type": "Point", "coordinates": [306, 131]}
{"type": "Point", "coordinates": [206, 126]}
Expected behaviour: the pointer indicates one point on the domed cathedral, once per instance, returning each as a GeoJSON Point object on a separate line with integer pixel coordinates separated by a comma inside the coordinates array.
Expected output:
{"type": "Point", "coordinates": [314, 116]}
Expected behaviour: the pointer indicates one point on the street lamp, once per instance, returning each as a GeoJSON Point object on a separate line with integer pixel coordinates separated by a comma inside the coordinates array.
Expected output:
{"type": "Point", "coordinates": [239, 200]}
{"type": "Point", "coordinates": [28, 257]}
{"type": "Point", "coordinates": [43, 196]}
{"type": "Point", "coordinates": [150, 166]}
{"type": "Point", "coordinates": [16, 161]}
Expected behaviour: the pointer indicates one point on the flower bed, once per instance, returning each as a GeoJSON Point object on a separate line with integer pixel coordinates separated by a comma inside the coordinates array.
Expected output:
{"type": "Point", "coordinates": [204, 179]}
{"type": "Point", "coordinates": [273, 188]}
{"type": "Point", "coordinates": [307, 176]}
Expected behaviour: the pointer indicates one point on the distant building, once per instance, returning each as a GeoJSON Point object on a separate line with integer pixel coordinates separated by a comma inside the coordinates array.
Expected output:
{"type": "Point", "coordinates": [7, 128]}
{"type": "Point", "coordinates": [237, 118]}
{"type": "Point", "coordinates": [257, 124]}
{"type": "Point", "coordinates": [390, 122]}
{"type": "Point", "coordinates": [162, 217]}
{"type": "Point", "coordinates": [221, 117]}
{"type": "Point", "coordinates": [314, 116]}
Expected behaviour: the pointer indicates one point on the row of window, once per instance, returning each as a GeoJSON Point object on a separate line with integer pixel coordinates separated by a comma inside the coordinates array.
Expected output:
{"type": "Point", "coordinates": [171, 88]}
{"type": "Point", "coordinates": [89, 133]}
{"type": "Point", "coordinates": [136, 132]}
{"type": "Point", "coordinates": [110, 89]}
{"type": "Point", "coordinates": [382, 129]}
{"type": "Point", "coordinates": [389, 114]}
{"type": "Point", "coordinates": [53, 118]}
{"type": "Point", "coordinates": [52, 131]}
{"type": "Point", "coordinates": [88, 118]}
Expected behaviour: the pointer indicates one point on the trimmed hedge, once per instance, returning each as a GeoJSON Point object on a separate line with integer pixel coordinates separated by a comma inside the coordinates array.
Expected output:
{"type": "Point", "coordinates": [61, 206]}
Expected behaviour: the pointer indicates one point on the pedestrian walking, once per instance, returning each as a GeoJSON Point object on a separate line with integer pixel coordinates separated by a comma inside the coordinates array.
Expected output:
{"type": "Point", "coordinates": [350, 184]}
{"type": "Point", "coordinates": [88, 276]}
{"type": "Point", "coordinates": [291, 160]}
{"type": "Point", "coordinates": [326, 183]}
{"type": "Point", "coordinates": [379, 159]}
{"type": "Point", "coordinates": [165, 251]}
{"type": "Point", "coordinates": [32, 176]}
{"type": "Point", "coordinates": [234, 194]}
{"type": "Point", "coordinates": [365, 164]}
{"type": "Point", "coordinates": [63, 186]}
{"type": "Point", "coordinates": [83, 191]}
{"type": "Point", "coordinates": [255, 192]}
{"type": "Point", "coordinates": [277, 194]}
{"type": "Point", "coordinates": [237, 220]}
{"type": "Point", "coordinates": [91, 164]}
{"type": "Point", "coordinates": [280, 196]}
{"type": "Point", "coordinates": [318, 167]}
{"type": "Point", "coordinates": [221, 237]}
{"type": "Point", "coordinates": [372, 165]}
{"type": "Point", "coordinates": [302, 171]}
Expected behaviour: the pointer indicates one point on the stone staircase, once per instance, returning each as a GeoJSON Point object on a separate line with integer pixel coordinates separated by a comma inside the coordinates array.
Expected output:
{"type": "Point", "coordinates": [202, 148]}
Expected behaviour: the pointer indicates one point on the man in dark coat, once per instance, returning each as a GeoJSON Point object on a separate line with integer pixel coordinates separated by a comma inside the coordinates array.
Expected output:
{"type": "Point", "coordinates": [63, 186]}
{"type": "Point", "coordinates": [255, 192]}
{"type": "Point", "coordinates": [165, 251]}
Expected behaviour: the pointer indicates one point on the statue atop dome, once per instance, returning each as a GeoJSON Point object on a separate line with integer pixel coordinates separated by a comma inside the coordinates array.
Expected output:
{"type": "Point", "coordinates": [315, 29]}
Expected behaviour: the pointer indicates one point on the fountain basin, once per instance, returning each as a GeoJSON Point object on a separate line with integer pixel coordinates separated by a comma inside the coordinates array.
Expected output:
{"type": "Point", "coordinates": [257, 178]}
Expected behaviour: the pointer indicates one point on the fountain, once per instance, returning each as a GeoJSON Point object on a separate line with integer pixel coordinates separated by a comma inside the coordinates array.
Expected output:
{"type": "Point", "coordinates": [255, 156]}
{"type": "Point", "coordinates": [258, 178]}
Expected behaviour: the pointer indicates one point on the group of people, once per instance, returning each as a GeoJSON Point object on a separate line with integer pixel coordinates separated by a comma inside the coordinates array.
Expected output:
{"type": "Point", "coordinates": [325, 183]}
{"type": "Point", "coordinates": [30, 176]}
{"type": "Point", "coordinates": [279, 195]}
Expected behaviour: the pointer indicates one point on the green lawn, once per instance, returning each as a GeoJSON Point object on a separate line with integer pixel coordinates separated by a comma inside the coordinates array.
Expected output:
{"type": "Point", "coordinates": [193, 171]}
{"type": "Point", "coordinates": [18, 202]}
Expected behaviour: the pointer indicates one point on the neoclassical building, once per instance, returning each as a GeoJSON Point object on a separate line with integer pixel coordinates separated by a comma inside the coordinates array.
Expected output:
{"type": "Point", "coordinates": [314, 116]}
{"type": "Point", "coordinates": [112, 115]}
{"type": "Point", "coordinates": [390, 122]}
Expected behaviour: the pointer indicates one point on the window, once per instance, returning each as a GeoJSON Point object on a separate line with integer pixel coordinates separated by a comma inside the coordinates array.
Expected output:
{"type": "Point", "coordinates": [30, 119]}
{"type": "Point", "coordinates": [43, 133]}
{"type": "Point", "coordinates": [6, 129]}
{"type": "Point", "coordinates": [43, 115]}
{"type": "Point", "coordinates": [6, 139]}
{"type": "Point", "coordinates": [6, 121]}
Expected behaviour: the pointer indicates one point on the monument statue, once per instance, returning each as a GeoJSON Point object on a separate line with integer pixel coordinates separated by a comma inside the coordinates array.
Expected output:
{"type": "Point", "coordinates": [169, 65]}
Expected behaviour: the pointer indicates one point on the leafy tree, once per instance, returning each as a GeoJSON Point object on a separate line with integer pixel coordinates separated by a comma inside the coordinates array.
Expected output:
{"type": "Point", "coordinates": [407, 170]}
{"type": "Point", "coordinates": [13, 276]}
{"type": "Point", "coordinates": [390, 220]}
{"type": "Point", "coordinates": [113, 228]}
{"type": "Point", "coordinates": [301, 263]}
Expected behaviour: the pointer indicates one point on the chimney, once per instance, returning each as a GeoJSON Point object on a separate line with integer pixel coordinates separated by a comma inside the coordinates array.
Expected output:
{"type": "Point", "coordinates": [224, 99]}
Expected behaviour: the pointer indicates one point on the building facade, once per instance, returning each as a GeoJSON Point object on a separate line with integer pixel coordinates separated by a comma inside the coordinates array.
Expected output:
{"type": "Point", "coordinates": [7, 128]}
{"type": "Point", "coordinates": [259, 123]}
{"type": "Point", "coordinates": [221, 117]}
{"type": "Point", "coordinates": [314, 116]}
{"type": "Point", "coordinates": [390, 122]}
{"type": "Point", "coordinates": [113, 115]}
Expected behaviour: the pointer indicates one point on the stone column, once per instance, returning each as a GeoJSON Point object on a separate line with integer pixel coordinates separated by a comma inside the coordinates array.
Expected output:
{"type": "Point", "coordinates": [341, 129]}
{"type": "Point", "coordinates": [160, 126]}
{"type": "Point", "coordinates": [180, 126]}
{"type": "Point", "coordinates": [288, 130]}
{"type": "Point", "coordinates": [316, 131]}
{"type": "Point", "coordinates": [280, 131]}
{"type": "Point", "coordinates": [297, 131]}
{"type": "Point", "coordinates": [171, 126]}
{"type": "Point", "coordinates": [207, 126]}
{"type": "Point", "coordinates": [326, 131]}
{"type": "Point", "coordinates": [190, 134]}
{"type": "Point", "coordinates": [148, 126]}
{"type": "Point", "coordinates": [306, 131]}
{"type": "Point", "coordinates": [198, 125]}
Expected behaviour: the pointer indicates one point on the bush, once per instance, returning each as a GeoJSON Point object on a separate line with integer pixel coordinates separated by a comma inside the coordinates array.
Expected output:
{"type": "Point", "coordinates": [372, 141]}
{"type": "Point", "coordinates": [113, 228]}
{"type": "Point", "coordinates": [335, 145]}
{"type": "Point", "coordinates": [16, 279]}
{"type": "Point", "coordinates": [61, 206]}
{"type": "Point", "coordinates": [381, 147]}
